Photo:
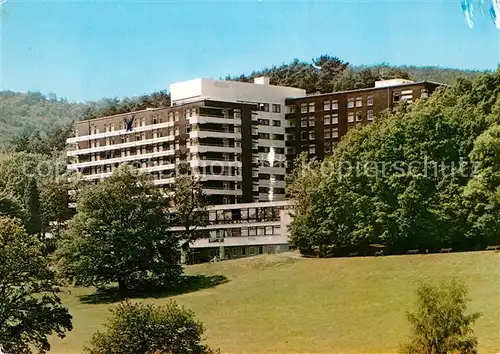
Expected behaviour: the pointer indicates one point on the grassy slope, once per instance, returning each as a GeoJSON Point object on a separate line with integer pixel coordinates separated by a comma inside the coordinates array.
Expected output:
{"type": "Point", "coordinates": [277, 304]}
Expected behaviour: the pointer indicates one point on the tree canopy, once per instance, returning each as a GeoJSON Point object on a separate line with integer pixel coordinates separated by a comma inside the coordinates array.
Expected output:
{"type": "Point", "coordinates": [134, 328]}
{"type": "Point", "coordinates": [439, 323]}
{"type": "Point", "coordinates": [422, 178]}
{"type": "Point", "coordinates": [189, 207]}
{"type": "Point", "coordinates": [121, 233]}
{"type": "Point", "coordinates": [37, 123]}
{"type": "Point", "coordinates": [30, 309]}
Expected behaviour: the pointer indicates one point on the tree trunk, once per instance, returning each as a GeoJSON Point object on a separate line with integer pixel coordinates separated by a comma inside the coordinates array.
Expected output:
{"type": "Point", "coordinates": [122, 286]}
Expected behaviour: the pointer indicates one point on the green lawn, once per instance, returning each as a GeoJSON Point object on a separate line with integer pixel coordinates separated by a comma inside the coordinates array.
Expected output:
{"type": "Point", "coordinates": [279, 304]}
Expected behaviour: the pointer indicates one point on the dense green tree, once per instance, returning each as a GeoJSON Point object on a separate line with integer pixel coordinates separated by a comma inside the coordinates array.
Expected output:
{"type": "Point", "coordinates": [54, 198]}
{"type": "Point", "coordinates": [439, 324]}
{"type": "Point", "coordinates": [189, 207]}
{"type": "Point", "coordinates": [483, 190]}
{"type": "Point", "coordinates": [30, 309]}
{"type": "Point", "coordinates": [10, 206]}
{"type": "Point", "coordinates": [16, 170]}
{"type": "Point", "coordinates": [406, 180]}
{"type": "Point", "coordinates": [111, 106]}
{"type": "Point", "coordinates": [121, 233]}
{"type": "Point", "coordinates": [25, 115]}
{"type": "Point", "coordinates": [134, 328]}
{"type": "Point", "coordinates": [32, 206]}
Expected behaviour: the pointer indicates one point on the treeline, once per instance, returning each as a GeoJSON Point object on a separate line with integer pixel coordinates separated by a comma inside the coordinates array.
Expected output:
{"type": "Point", "coordinates": [37, 123]}
{"type": "Point", "coordinates": [426, 177]}
{"type": "Point", "coordinates": [32, 115]}
{"type": "Point", "coordinates": [328, 73]}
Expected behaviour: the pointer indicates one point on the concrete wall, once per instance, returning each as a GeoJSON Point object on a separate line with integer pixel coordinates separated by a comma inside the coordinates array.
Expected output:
{"type": "Point", "coordinates": [232, 91]}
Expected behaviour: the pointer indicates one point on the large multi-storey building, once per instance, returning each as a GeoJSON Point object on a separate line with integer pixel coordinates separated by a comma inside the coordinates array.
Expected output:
{"type": "Point", "coordinates": [229, 134]}
{"type": "Point", "coordinates": [316, 123]}
{"type": "Point", "coordinates": [238, 139]}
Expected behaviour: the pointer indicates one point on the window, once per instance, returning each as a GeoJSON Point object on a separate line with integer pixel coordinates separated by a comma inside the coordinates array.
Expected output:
{"type": "Point", "coordinates": [176, 116]}
{"type": "Point", "coordinates": [303, 122]}
{"type": "Point", "coordinates": [396, 96]}
{"type": "Point", "coordinates": [369, 101]}
{"type": "Point", "coordinates": [326, 105]}
{"type": "Point", "coordinates": [327, 119]}
{"type": "Point", "coordinates": [291, 123]}
{"type": "Point", "coordinates": [290, 109]}
{"type": "Point", "coordinates": [369, 115]}
{"type": "Point", "coordinates": [264, 107]}
{"type": "Point", "coordinates": [276, 108]}
{"type": "Point", "coordinates": [359, 101]}
{"type": "Point", "coordinates": [350, 117]}
{"type": "Point", "coordinates": [350, 102]}
{"type": "Point", "coordinates": [303, 136]}
{"type": "Point", "coordinates": [335, 133]}
{"type": "Point", "coordinates": [312, 149]}
{"type": "Point", "coordinates": [424, 94]}
{"type": "Point", "coordinates": [311, 107]}
{"type": "Point", "coordinates": [237, 114]}
{"type": "Point", "coordinates": [335, 104]}
{"type": "Point", "coordinates": [407, 96]}
{"type": "Point", "coordinates": [311, 121]}
{"type": "Point", "coordinates": [312, 136]}
{"type": "Point", "coordinates": [276, 123]}
{"type": "Point", "coordinates": [328, 133]}
{"type": "Point", "coordinates": [303, 108]}
{"type": "Point", "coordinates": [335, 118]}
{"type": "Point", "coordinates": [264, 121]}
{"type": "Point", "coordinates": [328, 147]}
{"type": "Point", "coordinates": [359, 118]}
{"type": "Point", "coordinates": [278, 137]}
{"type": "Point", "coordinates": [264, 136]}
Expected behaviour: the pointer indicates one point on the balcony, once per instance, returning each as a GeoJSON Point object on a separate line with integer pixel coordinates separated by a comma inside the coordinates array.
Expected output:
{"type": "Point", "coordinates": [111, 161]}
{"type": "Point", "coordinates": [270, 142]}
{"type": "Point", "coordinates": [120, 132]}
{"type": "Point", "coordinates": [121, 146]}
{"type": "Point", "coordinates": [141, 170]}
{"type": "Point", "coordinates": [269, 183]}
{"type": "Point", "coordinates": [217, 162]}
{"type": "Point", "coordinates": [203, 119]}
{"type": "Point", "coordinates": [221, 191]}
{"type": "Point", "coordinates": [201, 148]}
{"type": "Point", "coordinates": [218, 177]}
{"type": "Point", "coordinates": [210, 133]}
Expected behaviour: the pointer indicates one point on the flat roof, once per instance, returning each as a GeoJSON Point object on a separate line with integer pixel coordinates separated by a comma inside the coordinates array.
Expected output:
{"type": "Point", "coordinates": [367, 89]}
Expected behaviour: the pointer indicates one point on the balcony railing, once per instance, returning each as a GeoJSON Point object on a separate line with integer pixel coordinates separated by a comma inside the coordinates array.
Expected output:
{"type": "Point", "coordinates": [121, 145]}
{"type": "Point", "coordinates": [120, 132]}
{"type": "Point", "coordinates": [75, 166]}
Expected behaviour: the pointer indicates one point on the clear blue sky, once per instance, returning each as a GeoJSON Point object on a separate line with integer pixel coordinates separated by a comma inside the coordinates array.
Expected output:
{"type": "Point", "coordinates": [88, 50]}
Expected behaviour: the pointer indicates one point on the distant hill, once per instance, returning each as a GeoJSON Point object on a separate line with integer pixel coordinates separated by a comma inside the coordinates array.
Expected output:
{"type": "Point", "coordinates": [32, 112]}
{"type": "Point", "coordinates": [435, 73]}
{"type": "Point", "coordinates": [29, 112]}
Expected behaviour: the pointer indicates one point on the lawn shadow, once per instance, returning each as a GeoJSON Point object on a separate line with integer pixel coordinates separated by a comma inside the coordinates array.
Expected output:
{"type": "Point", "coordinates": [187, 284]}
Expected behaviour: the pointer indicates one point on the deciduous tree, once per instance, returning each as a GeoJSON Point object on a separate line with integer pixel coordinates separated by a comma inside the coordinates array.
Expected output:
{"type": "Point", "coordinates": [134, 328]}
{"type": "Point", "coordinates": [439, 324]}
{"type": "Point", "coordinates": [190, 206]}
{"type": "Point", "coordinates": [30, 309]}
{"type": "Point", "coordinates": [121, 233]}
